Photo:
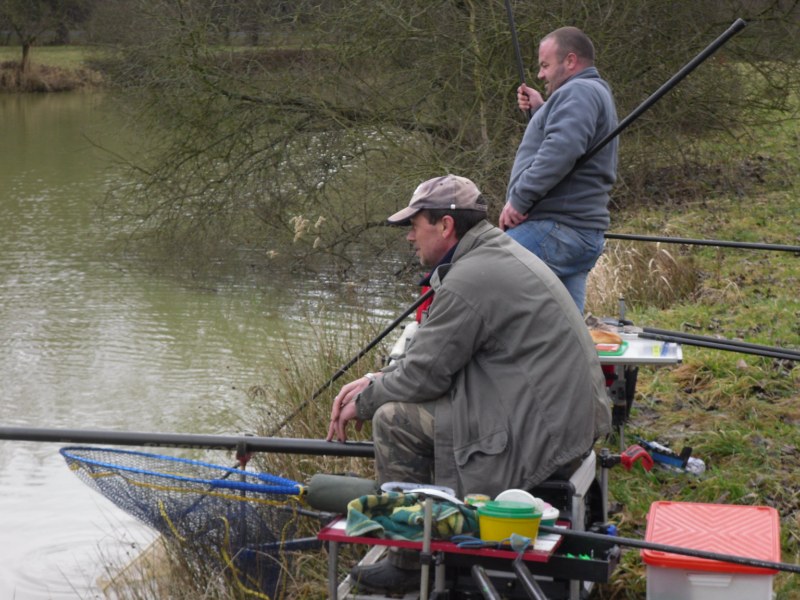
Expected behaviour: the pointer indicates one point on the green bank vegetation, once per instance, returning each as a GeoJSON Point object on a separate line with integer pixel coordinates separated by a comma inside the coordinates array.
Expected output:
{"type": "Point", "coordinates": [60, 57]}
{"type": "Point", "coordinates": [52, 69]}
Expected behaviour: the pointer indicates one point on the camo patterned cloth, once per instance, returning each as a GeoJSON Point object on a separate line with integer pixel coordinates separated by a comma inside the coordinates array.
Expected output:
{"type": "Point", "coordinates": [401, 516]}
{"type": "Point", "coordinates": [403, 435]}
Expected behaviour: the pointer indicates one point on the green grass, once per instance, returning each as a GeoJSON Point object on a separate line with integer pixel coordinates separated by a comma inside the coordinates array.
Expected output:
{"type": "Point", "coordinates": [740, 413]}
{"type": "Point", "coordinates": [65, 57]}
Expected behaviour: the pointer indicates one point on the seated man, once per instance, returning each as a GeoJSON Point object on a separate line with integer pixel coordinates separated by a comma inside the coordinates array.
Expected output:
{"type": "Point", "coordinates": [501, 385]}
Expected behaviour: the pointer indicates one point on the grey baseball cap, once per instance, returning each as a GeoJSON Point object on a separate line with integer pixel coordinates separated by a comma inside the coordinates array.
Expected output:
{"type": "Point", "coordinates": [449, 192]}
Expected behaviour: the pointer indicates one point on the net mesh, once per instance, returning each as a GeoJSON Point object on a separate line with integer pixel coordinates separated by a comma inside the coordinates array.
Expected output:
{"type": "Point", "coordinates": [233, 521]}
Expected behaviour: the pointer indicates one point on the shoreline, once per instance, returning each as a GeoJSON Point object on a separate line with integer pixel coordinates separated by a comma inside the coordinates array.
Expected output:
{"type": "Point", "coordinates": [42, 78]}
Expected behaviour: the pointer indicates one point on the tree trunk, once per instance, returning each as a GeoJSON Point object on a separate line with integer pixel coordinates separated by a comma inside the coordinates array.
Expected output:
{"type": "Point", "coordinates": [24, 64]}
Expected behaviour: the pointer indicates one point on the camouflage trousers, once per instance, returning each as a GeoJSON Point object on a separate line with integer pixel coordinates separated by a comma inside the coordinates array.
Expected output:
{"type": "Point", "coordinates": [403, 436]}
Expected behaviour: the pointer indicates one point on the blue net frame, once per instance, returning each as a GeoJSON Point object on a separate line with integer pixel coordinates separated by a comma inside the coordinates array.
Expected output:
{"type": "Point", "coordinates": [233, 521]}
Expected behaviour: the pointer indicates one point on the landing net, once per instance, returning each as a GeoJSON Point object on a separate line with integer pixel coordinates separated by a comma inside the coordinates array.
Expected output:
{"type": "Point", "coordinates": [234, 521]}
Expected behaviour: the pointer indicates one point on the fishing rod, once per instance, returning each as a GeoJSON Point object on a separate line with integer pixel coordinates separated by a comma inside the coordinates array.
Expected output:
{"type": "Point", "coordinates": [515, 43]}
{"type": "Point", "coordinates": [721, 345]}
{"type": "Point", "coordinates": [727, 342]}
{"type": "Point", "coordinates": [344, 368]}
{"type": "Point", "coordinates": [634, 543]}
{"type": "Point", "coordinates": [187, 440]}
{"type": "Point", "coordinates": [735, 28]}
{"type": "Point", "coordinates": [689, 241]}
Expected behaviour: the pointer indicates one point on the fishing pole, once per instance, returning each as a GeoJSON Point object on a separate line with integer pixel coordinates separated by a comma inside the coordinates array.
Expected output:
{"type": "Point", "coordinates": [735, 28]}
{"type": "Point", "coordinates": [485, 585]}
{"type": "Point", "coordinates": [185, 440]}
{"type": "Point", "coordinates": [515, 43]}
{"type": "Point", "coordinates": [727, 342]}
{"type": "Point", "coordinates": [634, 543]}
{"type": "Point", "coordinates": [689, 241]}
{"type": "Point", "coordinates": [344, 368]}
{"type": "Point", "coordinates": [719, 345]}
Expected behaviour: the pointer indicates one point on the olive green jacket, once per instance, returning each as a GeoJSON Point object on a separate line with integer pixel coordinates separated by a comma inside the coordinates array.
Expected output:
{"type": "Point", "coordinates": [504, 349]}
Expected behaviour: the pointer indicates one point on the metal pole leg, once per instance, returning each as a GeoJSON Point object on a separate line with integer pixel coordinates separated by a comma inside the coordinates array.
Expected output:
{"type": "Point", "coordinates": [426, 549]}
{"type": "Point", "coordinates": [333, 567]}
{"type": "Point", "coordinates": [485, 586]}
{"type": "Point", "coordinates": [528, 582]}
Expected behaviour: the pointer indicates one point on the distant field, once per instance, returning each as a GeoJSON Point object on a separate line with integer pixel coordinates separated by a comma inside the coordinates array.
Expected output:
{"type": "Point", "coordinates": [67, 57]}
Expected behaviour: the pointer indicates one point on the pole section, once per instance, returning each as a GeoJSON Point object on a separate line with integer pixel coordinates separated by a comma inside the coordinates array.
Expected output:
{"type": "Point", "coordinates": [735, 28]}
{"type": "Point", "coordinates": [634, 543]}
{"type": "Point", "coordinates": [724, 341]}
{"type": "Point", "coordinates": [515, 43]}
{"type": "Point", "coordinates": [183, 440]}
{"type": "Point", "coordinates": [720, 345]}
{"type": "Point", "coordinates": [696, 242]}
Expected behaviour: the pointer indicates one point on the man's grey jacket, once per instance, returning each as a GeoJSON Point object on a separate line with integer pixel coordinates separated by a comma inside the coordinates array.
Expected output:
{"type": "Point", "coordinates": [576, 118]}
{"type": "Point", "coordinates": [520, 387]}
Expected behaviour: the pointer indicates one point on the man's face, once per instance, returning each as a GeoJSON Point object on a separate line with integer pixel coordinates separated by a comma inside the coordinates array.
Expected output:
{"type": "Point", "coordinates": [429, 243]}
{"type": "Point", "coordinates": [552, 71]}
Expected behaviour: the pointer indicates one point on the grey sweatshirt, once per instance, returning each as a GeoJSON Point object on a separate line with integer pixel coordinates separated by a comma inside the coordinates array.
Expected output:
{"type": "Point", "coordinates": [577, 116]}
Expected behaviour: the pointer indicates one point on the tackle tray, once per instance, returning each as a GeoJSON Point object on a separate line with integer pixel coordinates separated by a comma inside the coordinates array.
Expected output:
{"type": "Point", "coordinates": [618, 352]}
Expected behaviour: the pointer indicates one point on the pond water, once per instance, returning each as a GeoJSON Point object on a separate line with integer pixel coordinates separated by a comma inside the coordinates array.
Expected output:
{"type": "Point", "coordinates": [88, 342]}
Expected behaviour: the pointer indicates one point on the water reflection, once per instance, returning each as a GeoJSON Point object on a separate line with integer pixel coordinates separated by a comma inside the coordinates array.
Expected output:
{"type": "Point", "coordinates": [90, 343]}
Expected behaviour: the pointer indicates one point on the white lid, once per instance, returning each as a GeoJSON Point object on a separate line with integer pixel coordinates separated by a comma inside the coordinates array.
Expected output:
{"type": "Point", "coordinates": [524, 497]}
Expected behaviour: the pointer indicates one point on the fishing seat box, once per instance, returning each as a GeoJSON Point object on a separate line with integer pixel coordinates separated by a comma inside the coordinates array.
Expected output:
{"type": "Point", "coordinates": [578, 497]}
{"type": "Point", "coordinates": [746, 531]}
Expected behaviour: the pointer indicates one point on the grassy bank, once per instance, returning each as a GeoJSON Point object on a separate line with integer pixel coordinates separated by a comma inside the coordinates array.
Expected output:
{"type": "Point", "coordinates": [52, 69]}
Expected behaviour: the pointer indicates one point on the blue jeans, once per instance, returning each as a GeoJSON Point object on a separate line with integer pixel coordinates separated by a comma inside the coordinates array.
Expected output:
{"type": "Point", "coordinates": [569, 251]}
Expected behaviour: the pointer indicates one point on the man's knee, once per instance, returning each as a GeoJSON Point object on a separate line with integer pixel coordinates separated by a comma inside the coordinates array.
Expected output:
{"type": "Point", "coordinates": [403, 435]}
{"type": "Point", "coordinates": [403, 419]}
{"type": "Point", "coordinates": [382, 422]}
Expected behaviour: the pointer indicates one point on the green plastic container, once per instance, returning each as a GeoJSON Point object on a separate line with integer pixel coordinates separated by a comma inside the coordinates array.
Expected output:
{"type": "Point", "coordinates": [498, 519]}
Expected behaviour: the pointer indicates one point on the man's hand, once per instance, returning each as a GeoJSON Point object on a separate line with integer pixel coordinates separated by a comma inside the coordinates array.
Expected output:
{"type": "Point", "coordinates": [528, 98]}
{"type": "Point", "coordinates": [510, 217]}
{"type": "Point", "coordinates": [344, 409]}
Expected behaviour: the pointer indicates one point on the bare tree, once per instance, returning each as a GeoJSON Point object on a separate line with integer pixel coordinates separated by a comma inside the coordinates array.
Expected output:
{"type": "Point", "coordinates": [30, 19]}
{"type": "Point", "coordinates": [302, 144]}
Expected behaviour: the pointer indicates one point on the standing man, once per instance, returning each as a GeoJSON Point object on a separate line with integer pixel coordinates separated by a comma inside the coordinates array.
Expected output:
{"type": "Point", "coordinates": [557, 211]}
{"type": "Point", "coordinates": [501, 385]}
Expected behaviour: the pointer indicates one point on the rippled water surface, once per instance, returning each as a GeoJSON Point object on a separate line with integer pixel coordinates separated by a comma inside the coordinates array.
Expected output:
{"type": "Point", "coordinates": [87, 342]}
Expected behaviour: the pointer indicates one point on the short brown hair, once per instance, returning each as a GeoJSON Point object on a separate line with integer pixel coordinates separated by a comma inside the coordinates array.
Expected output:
{"type": "Point", "coordinates": [572, 39]}
{"type": "Point", "coordinates": [463, 220]}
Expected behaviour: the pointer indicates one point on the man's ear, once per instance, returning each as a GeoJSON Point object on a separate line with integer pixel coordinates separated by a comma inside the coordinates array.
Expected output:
{"type": "Point", "coordinates": [448, 225]}
{"type": "Point", "coordinates": [571, 61]}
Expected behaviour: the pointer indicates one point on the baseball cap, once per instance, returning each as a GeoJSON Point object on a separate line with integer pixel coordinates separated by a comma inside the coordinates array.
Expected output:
{"type": "Point", "coordinates": [449, 192]}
